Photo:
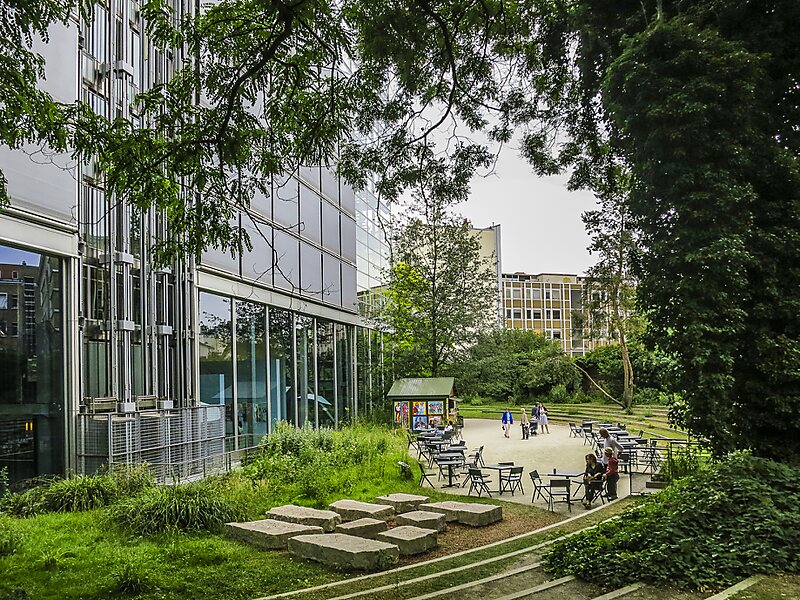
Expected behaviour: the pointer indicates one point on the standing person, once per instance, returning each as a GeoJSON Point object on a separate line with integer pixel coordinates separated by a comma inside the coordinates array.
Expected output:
{"type": "Point", "coordinates": [523, 420]}
{"type": "Point", "coordinates": [609, 443]}
{"type": "Point", "coordinates": [592, 479]}
{"type": "Point", "coordinates": [508, 421]}
{"type": "Point", "coordinates": [611, 475]}
{"type": "Point", "coordinates": [543, 418]}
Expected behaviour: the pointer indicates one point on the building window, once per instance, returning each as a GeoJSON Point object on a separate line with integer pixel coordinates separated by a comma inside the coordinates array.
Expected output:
{"type": "Point", "coordinates": [556, 314]}
{"type": "Point", "coordinates": [517, 313]}
{"type": "Point", "coordinates": [537, 314]}
{"type": "Point", "coordinates": [14, 301]}
{"type": "Point", "coordinates": [556, 294]}
{"type": "Point", "coordinates": [13, 330]}
{"type": "Point", "coordinates": [548, 314]}
{"type": "Point", "coordinates": [14, 274]}
{"type": "Point", "coordinates": [3, 301]}
{"type": "Point", "coordinates": [528, 313]}
{"type": "Point", "coordinates": [547, 294]}
{"type": "Point", "coordinates": [517, 293]}
{"type": "Point", "coordinates": [508, 313]}
{"type": "Point", "coordinates": [556, 335]}
{"type": "Point", "coordinates": [536, 294]}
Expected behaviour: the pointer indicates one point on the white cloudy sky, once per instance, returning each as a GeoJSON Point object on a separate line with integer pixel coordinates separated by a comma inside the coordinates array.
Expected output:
{"type": "Point", "coordinates": [540, 221]}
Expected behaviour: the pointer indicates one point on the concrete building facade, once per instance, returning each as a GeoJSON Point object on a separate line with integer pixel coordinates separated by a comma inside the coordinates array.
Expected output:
{"type": "Point", "coordinates": [551, 304]}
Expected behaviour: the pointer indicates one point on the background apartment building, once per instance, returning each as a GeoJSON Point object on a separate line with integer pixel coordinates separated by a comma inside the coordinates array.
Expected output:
{"type": "Point", "coordinates": [550, 304]}
{"type": "Point", "coordinates": [107, 357]}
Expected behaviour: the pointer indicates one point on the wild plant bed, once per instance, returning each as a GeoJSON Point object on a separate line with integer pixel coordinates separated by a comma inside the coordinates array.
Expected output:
{"type": "Point", "coordinates": [119, 534]}
{"type": "Point", "coordinates": [707, 531]}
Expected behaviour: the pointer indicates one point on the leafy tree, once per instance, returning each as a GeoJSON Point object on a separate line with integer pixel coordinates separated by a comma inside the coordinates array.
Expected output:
{"type": "Point", "coordinates": [442, 292]}
{"type": "Point", "coordinates": [29, 115]}
{"type": "Point", "coordinates": [506, 365]}
{"type": "Point", "coordinates": [610, 292]}
{"type": "Point", "coordinates": [699, 100]}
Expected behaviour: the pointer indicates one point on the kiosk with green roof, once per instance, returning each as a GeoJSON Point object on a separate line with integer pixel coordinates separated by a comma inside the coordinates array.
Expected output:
{"type": "Point", "coordinates": [422, 402]}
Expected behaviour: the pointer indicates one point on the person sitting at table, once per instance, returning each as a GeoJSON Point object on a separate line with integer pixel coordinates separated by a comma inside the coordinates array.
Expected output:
{"type": "Point", "coordinates": [609, 443]}
{"type": "Point", "coordinates": [592, 479]}
{"type": "Point", "coordinates": [611, 476]}
{"type": "Point", "coordinates": [449, 426]}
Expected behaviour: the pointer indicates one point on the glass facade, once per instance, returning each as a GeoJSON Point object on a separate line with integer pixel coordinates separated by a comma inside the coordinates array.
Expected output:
{"type": "Point", "coordinates": [32, 408]}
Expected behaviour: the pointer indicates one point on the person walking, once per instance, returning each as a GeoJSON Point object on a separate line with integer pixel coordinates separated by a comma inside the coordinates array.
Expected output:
{"type": "Point", "coordinates": [542, 418]}
{"type": "Point", "coordinates": [523, 420]}
{"type": "Point", "coordinates": [508, 421]}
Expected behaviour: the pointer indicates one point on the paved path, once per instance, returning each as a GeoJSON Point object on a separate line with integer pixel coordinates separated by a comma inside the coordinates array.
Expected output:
{"type": "Point", "coordinates": [543, 452]}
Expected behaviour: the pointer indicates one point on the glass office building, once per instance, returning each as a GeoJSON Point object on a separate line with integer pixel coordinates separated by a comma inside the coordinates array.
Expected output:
{"type": "Point", "coordinates": [90, 326]}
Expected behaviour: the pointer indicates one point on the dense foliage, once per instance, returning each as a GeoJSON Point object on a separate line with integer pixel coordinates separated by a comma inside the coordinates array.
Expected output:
{"type": "Point", "coordinates": [730, 520]}
{"type": "Point", "coordinates": [656, 372]}
{"type": "Point", "coordinates": [516, 367]}
{"type": "Point", "coordinates": [699, 100]}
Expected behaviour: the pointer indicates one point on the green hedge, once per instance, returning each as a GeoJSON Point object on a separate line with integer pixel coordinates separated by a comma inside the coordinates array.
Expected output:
{"type": "Point", "coordinates": [731, 520]}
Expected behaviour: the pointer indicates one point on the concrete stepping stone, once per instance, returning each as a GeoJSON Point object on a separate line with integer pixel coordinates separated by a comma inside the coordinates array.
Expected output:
{"type": "Point", "coordinates": [345, 551]}
{"type": "Point", "coordinates": [468, 513]}
{"type": "Point", "coordinates": [410, 539]}
{"type": "Point", "coordinates": [425, 519]}
{"type": "Point", "coordinates": [365, 527]}
{"type": "Point", "coordinates": [350, 510]}
{"type": "Point", "coordinates": [402, 503]}
{"type": "Point", "coordinates": [327, 519]}
{"type": "Point", "coordinates": [268, 534]}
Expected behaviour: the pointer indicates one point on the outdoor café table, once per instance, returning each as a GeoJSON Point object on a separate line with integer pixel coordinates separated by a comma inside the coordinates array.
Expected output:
{"type": "Point", "coordinates": [449, 463]}
{"type": "Point", "coordinates": [499, 469]}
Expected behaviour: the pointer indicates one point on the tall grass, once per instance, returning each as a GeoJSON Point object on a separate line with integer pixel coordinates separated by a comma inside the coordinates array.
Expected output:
{"type": "Point", "coordinates": [317, 465]}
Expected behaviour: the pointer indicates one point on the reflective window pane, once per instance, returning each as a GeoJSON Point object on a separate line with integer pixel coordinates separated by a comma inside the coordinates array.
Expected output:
{"type": "Point", "coordinates": [330, 227]}
{"type": "Point", "coordinates": [216, 357]}
{"type": "Point", "coordinates": [344, 373]}
{"type": "Point", "coordinates": [326, 384]}
{"type": "Point", "coordinates": [251, 373]}
{"type": "Point", "coordinates": [257, 263]}
{"type": "Point", "coordinates": [281, 367]}
{"type": "Point", "coordinates": [304, 340]}
{"type": "Point", "coordinates": [331, 280]}
{"type": "Point", "coordinates": [287, 261]}
{"type": "Point", "coordinates": [310, 216]}
{"type": "Point", "coordinates": [32, 411]}
{"type": "Point", "coordinates": [285, 203]}
{"type": "Point", "coordinates": [311, 270]}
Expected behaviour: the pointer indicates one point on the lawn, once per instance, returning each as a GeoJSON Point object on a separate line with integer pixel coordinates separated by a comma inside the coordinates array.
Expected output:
{"type": "Point", "coordinates": [93, 554]}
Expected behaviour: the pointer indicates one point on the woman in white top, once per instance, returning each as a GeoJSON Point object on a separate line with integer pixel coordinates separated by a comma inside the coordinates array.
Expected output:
{"type": "Point", "coordinates": [542, 418]}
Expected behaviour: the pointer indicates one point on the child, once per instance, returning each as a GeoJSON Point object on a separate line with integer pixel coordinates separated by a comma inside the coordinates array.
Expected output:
{"type": "Point", "coordinates": [611, 476]}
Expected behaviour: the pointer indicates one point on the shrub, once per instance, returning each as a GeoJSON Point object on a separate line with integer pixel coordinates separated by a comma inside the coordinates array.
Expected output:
{"type": "Point", "coordinates": [10, 538]}
{"type": "Point", "coordinates": [201, 506]}
{"type": "Point", "coordinates": [132, 479]}
{"type": "Point", "coordinates": [25, 504]}
{"type": "Point", "coordinates": [83, 492]}
{"type": "Point", "coordinates": [131, 579]}
{"type": "Point", "coordinates": [730, 520]}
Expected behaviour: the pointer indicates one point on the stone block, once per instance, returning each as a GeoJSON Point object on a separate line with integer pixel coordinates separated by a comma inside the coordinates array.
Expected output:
{"type": "Point", "coordinates": [449, 509]}
{"type": "Point", "coordinates": [268, 534]}
{"type": "Point", "coordinates": [402, 503]}
{"type": "Point", "coordinates": [366, 527]}
{"type": "Point", "coordinates": [410, 540]}
{"type": "Point", "coordinates": [468, 513]}
{"type": "Point", "coordinates": [350, 510]}
{"type": "Point", "coordinates": [327, 519]}
{"type": "Point", "coordinates": [345, 551]}
{"type": "Point", "coordinates": [424, 519]}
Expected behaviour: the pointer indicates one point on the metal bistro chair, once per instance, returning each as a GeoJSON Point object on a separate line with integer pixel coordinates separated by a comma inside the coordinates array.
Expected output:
{"type": "Point", "coordinates": [538, 484]}
{"type": "Point", "coordinates": [425, 476]}
{"type": "Point", "coordinates": [477, 456]}
{"type": "Point", "coordinates": [478, 482]}
{"type": "Point", "coordinates": [575, 431]}
{"type": "Point", "coordinates": [512, 481]}
{"type": "Point", "coordinates": [558, 488]}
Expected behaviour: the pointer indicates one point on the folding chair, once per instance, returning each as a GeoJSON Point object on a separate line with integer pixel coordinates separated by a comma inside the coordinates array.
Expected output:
{"type": "Point", "coordinates": [478, 482]}
{"type": "Point", "coordinates": [558, 488]}
{"type": "Point", "coordinates": [575, 431]}
{"type": "Point", "coordinates": [536, 480]}
{"type": "Point", "coordinates": [512, 481]}
{"type": "Point", "coordinates": [425, 476]}
{"type": "Point", "coordinates": [477, 456]}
